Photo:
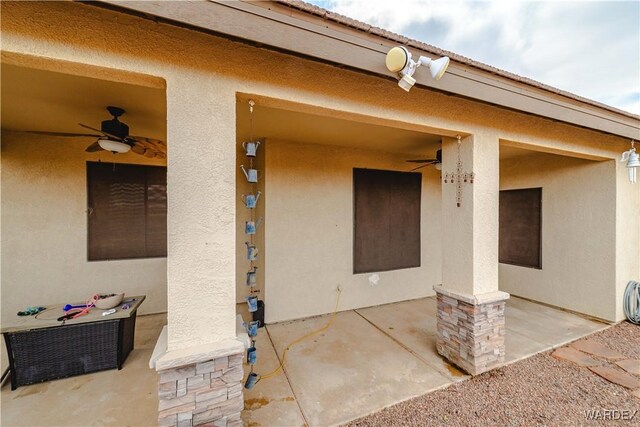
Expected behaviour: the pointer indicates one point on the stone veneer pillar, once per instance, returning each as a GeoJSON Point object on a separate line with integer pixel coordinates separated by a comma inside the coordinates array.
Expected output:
{"type": "Point", "coordinates": [471, 329]}
{"type": "Point", "coordinates": [201, 388]}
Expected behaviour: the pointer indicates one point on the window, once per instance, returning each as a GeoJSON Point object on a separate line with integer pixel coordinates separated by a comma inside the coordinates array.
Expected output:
{"type": "Point", "coordinates": [127, 211]}
{"type": "Point", "coordinates": [520, 240]}
{"type": "Point", "coordinates": [386, 220]}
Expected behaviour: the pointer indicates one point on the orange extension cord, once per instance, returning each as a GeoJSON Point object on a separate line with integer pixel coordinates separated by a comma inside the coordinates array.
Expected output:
{"type": "Point", "coordinates": [302, 338]}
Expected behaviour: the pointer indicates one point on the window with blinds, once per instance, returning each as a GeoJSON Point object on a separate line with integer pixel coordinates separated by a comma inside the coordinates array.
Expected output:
{"type": "Point", "coordinates": [386, 220]}
{"type": "Point", "coordinates": [127, 211]}
{"type": "Point", "coordinates": [520, 241]}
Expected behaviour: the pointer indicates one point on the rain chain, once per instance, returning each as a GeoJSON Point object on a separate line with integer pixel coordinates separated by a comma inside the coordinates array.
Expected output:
{"type": "Point", "coordinates": [458, 177]}
{"type": "Point", "coordinates": [250, 229]}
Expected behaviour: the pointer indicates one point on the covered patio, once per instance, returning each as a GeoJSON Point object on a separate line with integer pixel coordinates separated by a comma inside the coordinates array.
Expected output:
{"type": "Point", "coordinates": [328, 112]}
{"type": "Point", "coordinates": [368, 359]}
{"type": "Point", "coordinates": [375, 357]}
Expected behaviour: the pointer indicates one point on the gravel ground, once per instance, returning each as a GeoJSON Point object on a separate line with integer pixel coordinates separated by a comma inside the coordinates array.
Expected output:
{"type": "Point", "coordinates": [540, 390]}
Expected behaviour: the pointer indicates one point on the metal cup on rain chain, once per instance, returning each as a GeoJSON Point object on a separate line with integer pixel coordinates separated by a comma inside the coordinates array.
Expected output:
{"type": "Point", "coordinates": [250, 200]}
{"type": "Point", "coordinates": [251, 148]}
{"type": "Point", "coordinates": [252, 305]}
{"type": "Point", "coordinates": [252, 327]}
{"type": "Point", "coordinates": [251, 174]}
{"type": "Point", "coordinates": [251, 227]}
{"type": "Point", "coordinates": [252, 278]}
{"type": "Point", "coordinates": [252, 379]}
{"type": "Point", "coordinates": [252, 251]}
{"type": "Point", "coordinates": [252, 355]}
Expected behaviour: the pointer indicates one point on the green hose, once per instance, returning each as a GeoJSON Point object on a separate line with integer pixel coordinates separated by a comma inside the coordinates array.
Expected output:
{"type": "Point", "coordinates": [631, 302]}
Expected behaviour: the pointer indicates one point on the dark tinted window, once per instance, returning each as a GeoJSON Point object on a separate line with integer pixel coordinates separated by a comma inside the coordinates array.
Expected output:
{"type": "Point", "coordinates": [387, 220]}
{"type": "Point", "coordinates": [521, 227]}
{"type": "Point", "coordinates": [127, 211]}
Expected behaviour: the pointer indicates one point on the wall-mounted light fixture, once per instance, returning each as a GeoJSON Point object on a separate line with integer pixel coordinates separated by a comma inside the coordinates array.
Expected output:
{"type": "Point", "coordinates": [399, 61]}
{"type": "Point", "coordinates": [633, 162]}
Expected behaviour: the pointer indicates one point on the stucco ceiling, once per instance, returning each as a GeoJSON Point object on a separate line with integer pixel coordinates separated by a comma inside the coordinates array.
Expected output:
{"type": "Point", "coordinates": [38, 100]}
{"type": "Point", "coordinates": [301, 127]}
{"type": "Point", "coordinates": [314, 129]}
{"type": "Point", "coordinates": [507, 152]}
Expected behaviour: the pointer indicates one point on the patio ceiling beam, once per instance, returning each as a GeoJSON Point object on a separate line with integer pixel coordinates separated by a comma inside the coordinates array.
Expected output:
{"type": "Point", "coordinates": [277, 27]}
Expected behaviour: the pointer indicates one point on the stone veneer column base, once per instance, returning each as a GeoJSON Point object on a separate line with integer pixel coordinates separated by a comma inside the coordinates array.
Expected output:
{"type": "Point", "coordinates": [202, 389]}
{"type": "Point", "coordinates": [471, 329]}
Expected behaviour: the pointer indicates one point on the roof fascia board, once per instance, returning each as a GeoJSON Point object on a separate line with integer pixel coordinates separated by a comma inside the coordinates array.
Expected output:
{"type": "Point", "coordinates": [270, 28]}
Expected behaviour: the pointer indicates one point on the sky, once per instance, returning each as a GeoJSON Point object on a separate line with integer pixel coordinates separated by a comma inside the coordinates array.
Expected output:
{"type": "Point", "coordinates": [589, 48]}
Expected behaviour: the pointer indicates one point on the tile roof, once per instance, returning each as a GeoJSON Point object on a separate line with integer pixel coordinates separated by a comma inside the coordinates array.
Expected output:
{"type": "Point", "coordinates": [382, 33]}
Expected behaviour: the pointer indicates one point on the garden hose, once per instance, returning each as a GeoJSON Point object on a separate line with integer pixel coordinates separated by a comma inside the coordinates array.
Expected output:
{"type": "Point", "coordinates": [302, 338]}
{"type": "Point", "coordinates": [631, 303]}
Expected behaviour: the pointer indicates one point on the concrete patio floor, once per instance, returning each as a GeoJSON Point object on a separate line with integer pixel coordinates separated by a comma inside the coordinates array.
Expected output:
{"type": "Point", "coordinates": [369, 359]}
{"type": "Point", "coordinates": [128, 397]}
{"type": "Point", "coordinates": [375, 357]}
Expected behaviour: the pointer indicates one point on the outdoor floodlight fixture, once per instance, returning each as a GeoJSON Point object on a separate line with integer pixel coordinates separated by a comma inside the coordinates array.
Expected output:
{"type": "Point", "coordinates": [113, 146]}
{"type": "Point", "coordinates": [399, 61]}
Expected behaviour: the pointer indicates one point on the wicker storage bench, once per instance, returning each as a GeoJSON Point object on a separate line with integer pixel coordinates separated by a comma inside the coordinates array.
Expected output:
{"type": "Point", "coordinates": [40, 348]}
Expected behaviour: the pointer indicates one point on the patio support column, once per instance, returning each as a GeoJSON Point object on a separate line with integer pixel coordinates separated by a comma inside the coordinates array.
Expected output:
{"type": "Point", "coordinates": [199, 360]}
{"type": "Point", "coordinates": [471, 323]}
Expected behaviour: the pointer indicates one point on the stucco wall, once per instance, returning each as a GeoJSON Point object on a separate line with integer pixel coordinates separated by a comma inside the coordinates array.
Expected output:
{"type": "Point", "coordinates": [202, 86]}
{"type": "Point", "coordinates": [44, 229]}
{"type": "Point", "coordinates": [578, 233]}
{"type": "Point", "coordinates": [309, 232]}
{"type": "Point", "coordinates": [627, 234]}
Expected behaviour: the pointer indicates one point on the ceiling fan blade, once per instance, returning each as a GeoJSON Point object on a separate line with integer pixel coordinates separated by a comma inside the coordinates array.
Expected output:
{"type": "Point", "coordinates": [422, 166]}
{"type": "Point", "coordinates": [138, 148]}
{"type": "Point", "coordinates": [103, 133]}
{"type": "Point", "coordinates": [93, 148]}
{"type": "Point", "coordinates": [156, 145]}
{"type": "Point", "coordinates": [149, 153]}
{"type": "Point", "coordinates": [147, 139]}
{"type": "Point", "coordinates": [66, 134]}
{"type": "Point", "coordinates": [422, 160]}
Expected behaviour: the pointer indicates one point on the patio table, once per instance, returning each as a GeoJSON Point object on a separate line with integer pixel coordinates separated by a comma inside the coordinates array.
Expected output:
{"type": "Point", "coordinates": [41, 348]}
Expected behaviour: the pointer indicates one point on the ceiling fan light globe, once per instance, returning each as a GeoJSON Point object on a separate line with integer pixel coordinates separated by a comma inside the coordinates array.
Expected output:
{"type": "Point", "coordinates": [439, 166]}
{"type": "Point", "coordinates": [114, 146]}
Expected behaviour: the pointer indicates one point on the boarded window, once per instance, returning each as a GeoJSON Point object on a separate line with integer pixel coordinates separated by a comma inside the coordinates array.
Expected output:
{"type": "Point", "coordinates": [386, 220]}
{"type": "Point", "coordinates": [127, 211]}
{"type": "Point", "coordinates": [521, 227]}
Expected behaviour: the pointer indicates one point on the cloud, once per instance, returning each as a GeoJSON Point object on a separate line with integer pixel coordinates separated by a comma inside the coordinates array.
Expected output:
{"type": "Point", "coordinates": [590, 48]}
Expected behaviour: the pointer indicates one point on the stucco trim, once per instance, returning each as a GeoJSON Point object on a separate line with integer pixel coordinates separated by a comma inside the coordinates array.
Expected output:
{"type": "Point", "coordinates": [81, 69]}
{"type": "Point", "coordinates": [382, 33]}
{"type": "Point", "coordinates": [363, 51]}
{"type": "Point", "coordinates": [486, 298]}
{"type": "Point", "coordinates": [196, 354]}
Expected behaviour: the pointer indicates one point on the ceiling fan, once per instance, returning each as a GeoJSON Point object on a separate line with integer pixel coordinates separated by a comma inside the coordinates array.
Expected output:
{"type": "Point", "coordinates": [113, 136]}
{"type": "Point", "coordinates": [427, 162]}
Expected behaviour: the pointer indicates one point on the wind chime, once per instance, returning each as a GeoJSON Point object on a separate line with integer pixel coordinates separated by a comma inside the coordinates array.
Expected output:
{"type": "Point", "coordinates": [459, 176]}
{"type": "Point", "coordinates": [251, 228]}
{"type": "Point", "coordinates": [633, 162]}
